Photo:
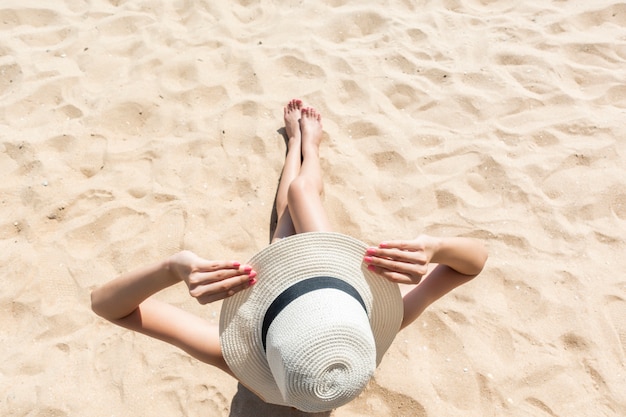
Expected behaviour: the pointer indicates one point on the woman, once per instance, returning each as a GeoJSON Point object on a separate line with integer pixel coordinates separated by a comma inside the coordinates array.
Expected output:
{"type": "Point", "coordinates": [127, 300]}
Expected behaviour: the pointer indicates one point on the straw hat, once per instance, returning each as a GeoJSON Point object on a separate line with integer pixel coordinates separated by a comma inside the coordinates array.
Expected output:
{"type": "Point", "coordinates": [310, 333]}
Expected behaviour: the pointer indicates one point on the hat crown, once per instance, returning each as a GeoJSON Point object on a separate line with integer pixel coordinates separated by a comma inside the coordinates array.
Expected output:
{"type": "Point", "coordinates": [324, 358]}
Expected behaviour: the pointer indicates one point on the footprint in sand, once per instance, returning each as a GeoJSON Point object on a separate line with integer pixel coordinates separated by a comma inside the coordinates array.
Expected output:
{"type": "Point", "coordinates": [206, 400]}
{"type": "Point", "coordinates": [85, 154]}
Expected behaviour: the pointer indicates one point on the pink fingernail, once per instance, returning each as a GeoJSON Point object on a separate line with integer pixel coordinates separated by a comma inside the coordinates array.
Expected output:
{"type": "Point", "coordinates": [367, 259]}
{"type": "Point", "coordinates": [247, 269]}
{"type": "Point", "coordinates": [383, 245]}
{"type": "Point", "coordinates": [371, 267]}
{"type": "Point", "coordinates": [371, 251]}
{"type": "Point", "coordinates": [252, 281]}
{"type": "Point", "coordinates": [236, 264]}
{"type": "Point", "coordinates": [252, 274]}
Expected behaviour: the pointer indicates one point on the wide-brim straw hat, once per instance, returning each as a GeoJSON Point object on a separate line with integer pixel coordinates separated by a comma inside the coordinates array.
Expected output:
{"type": "Point", "coordinates": [312, 330]}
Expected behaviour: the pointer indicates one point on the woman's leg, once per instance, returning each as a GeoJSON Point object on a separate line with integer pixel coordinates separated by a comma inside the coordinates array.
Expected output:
{"type": "Point", "coordinates": [291, 169]}
{"type": "Point", "coordinates": [304, 195]}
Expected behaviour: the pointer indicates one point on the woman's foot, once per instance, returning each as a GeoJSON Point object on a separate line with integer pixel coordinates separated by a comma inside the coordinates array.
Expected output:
{"type": "Point", "coordinates": [292, 113]}
{"type": "Point", "coordinates": [311, 128]}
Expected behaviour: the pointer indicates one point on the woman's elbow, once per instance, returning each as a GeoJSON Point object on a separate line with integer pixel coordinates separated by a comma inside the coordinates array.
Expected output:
{"type": "Point", "coordinates": [476, 260]}
{"type": "Point", "coordinates": [98, 305]}
{"type": "Point", "coordinates": [481, 258]}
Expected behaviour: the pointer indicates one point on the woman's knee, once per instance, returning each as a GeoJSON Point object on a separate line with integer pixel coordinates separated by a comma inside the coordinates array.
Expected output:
{"type": "Point", "coordinates": [300, 188]}
{"type": "Point", "coordinates": [305, 206]}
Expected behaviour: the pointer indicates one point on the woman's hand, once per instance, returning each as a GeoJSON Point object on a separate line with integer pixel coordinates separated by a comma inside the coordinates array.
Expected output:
{"type": "Point", "coordinates": [402, 261]}
{"type": "Point", "coordinates": [210, 281]}
{"type": "Point", "coordinates": [407, 262]}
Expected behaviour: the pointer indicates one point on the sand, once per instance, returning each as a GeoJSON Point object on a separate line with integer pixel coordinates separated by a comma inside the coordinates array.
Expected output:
{"type": "Point", "coordinates": [132, 129]}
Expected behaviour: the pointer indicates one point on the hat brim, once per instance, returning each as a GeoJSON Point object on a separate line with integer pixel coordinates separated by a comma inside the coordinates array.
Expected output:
{"type": "Point", "coordinates": [278, 267]}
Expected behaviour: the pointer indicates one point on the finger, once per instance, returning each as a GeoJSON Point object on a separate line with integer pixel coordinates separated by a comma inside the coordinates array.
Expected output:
{"type": "Point", "coordinates": [204, 278]}
{"type": "Point", "coordinates": [206, 265]}
{"type": "Point", "coordinates": [209, 298]}
{"type": "Point", "coordinates": [221, 286]}
{"type": "Point", "coordinates": [396, 277]}
{"type": "Point", "coordinates": [410, 267]}
{"type": "Point", "coordinates": [397, 244]}
{"type": "Point", "coordinates": [398, 255]}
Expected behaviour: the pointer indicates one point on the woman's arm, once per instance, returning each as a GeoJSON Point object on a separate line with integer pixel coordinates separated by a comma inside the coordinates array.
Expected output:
{"type": "Point", "coordinates": [165, 322]}
{"type": "Point", "coordinates": [207, 281]}
{"type": "Point", "coordinates": [120, 297]}
{"type": "Point", "coordinates": [459, 260]}
{"type": "Point", "coordinates": [126, 301]}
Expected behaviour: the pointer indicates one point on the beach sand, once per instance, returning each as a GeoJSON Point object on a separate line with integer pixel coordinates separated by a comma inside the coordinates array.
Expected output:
{"type": "Point", "coordinates": [130, 130]}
